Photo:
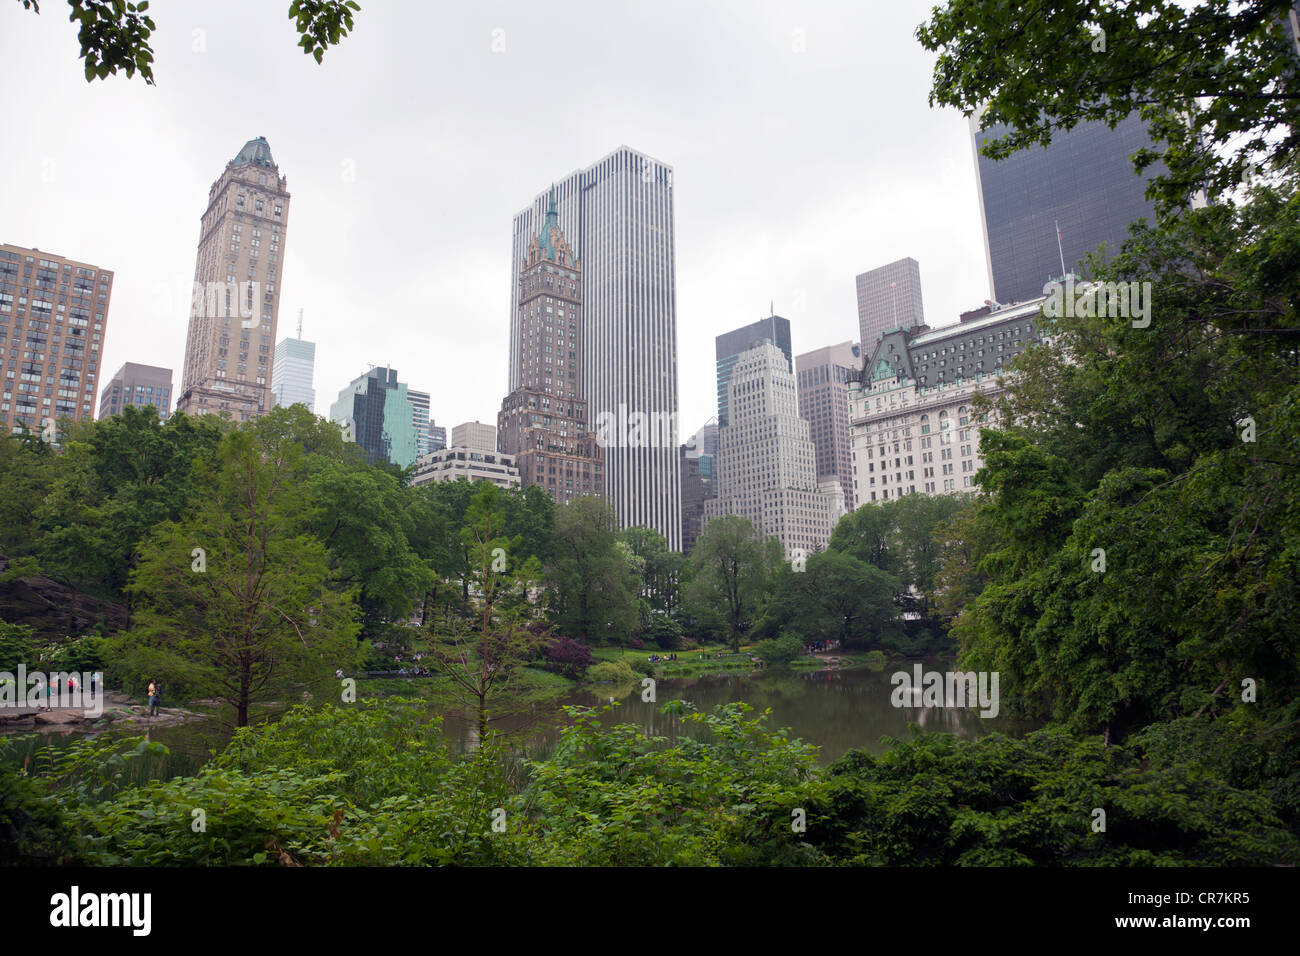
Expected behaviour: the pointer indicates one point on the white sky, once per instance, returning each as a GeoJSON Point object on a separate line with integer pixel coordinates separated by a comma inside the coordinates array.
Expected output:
{"type": "Point", "coordinates": [794, 171]}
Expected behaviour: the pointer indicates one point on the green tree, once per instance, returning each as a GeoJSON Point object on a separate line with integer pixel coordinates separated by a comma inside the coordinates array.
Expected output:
{"type": "Point", "coordinates": [235, 598]}
{"type": "Point", "coordinates": [593, 590]}
{"type": "Point", "coordinates": [483, 653]}
{"type": "Point", "coordinates": [115, 34]}
{"type": "Point", "coordinates": [835, 597]}
{"type": "Point", "coordinates": [1213, 80]}
{"type": "Point", "coordinates": [733, 566]}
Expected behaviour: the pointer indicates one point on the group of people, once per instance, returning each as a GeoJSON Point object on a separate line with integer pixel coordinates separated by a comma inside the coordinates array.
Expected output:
{"type": "Point", "coordinates": [661, 658]}
{"type": "Point", "coordinates": [817, 647]}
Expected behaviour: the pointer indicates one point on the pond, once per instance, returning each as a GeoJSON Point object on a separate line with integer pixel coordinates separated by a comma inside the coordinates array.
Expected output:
{"type": "Point", "coordinates": [835, 710]}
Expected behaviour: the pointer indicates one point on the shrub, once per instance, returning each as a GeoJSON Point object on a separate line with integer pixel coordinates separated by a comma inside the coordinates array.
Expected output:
{"type": "Point", "coordinates": [781, 650]}
{"type": "Point", "coordinates": [614, 672]}
{"type": "Point", "coordinates": [568, 657]}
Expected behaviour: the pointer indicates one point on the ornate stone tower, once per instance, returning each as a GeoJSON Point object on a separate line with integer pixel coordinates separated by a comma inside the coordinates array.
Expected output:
{"type": "Point", "coordinates": [229, 349]}
{"type": "Point", "coordinates": [544, 421]}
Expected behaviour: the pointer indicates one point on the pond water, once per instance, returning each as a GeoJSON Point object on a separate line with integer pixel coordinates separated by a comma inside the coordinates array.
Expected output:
{"type": "Point", "coordinates": [835, 710]}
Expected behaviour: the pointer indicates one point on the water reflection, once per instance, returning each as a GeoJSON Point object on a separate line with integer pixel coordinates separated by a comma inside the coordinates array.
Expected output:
{"type": "Point", "coordinates": [834, 710]}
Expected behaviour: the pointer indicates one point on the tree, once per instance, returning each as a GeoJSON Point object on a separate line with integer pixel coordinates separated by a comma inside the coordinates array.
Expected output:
{"type": "Point", "coordinates": [483, 652]}
{"type": "Point", "coordinates": [835, 597]}
{"type": "Point", "coordinates": [235, 598]}
{"type": "Point", "coordinates": [1136, 553]}
{"type": "Point", "coordinates": [1213, 80]}
{"type": "Point", "coordinates": [114, 34]}
{"type": "Point", "coordinates": [593, 591]}
{"type": "Point", "coordinates": [733, 567]}
{"type": "Point", "coordinates": [661, 568]}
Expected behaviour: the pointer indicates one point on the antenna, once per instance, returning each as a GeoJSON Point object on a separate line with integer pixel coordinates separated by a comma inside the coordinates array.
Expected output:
{"type": "Point", "coordinates": [1059, 249]}
{"type": "Point", "coordinates": [300, 323]}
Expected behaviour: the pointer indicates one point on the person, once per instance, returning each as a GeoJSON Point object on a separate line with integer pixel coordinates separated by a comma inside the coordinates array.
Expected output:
{"type": "Point", "coordinates": [153, 698]}
{"type": "Point", "coordinates": [94, 679]}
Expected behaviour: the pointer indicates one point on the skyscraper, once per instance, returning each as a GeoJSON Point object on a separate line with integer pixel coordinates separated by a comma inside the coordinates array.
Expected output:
{"type": "Point", "coordinates": [767, 465]}
{"type": "Point", "coordinates": [137, 385]}
{"type": "Point", "coordinates": [1083, 182]}
{"type": "Point", "coordinates": [419, 402]}
{"type": "Point", "coordinates": [889, 298]}
{"type": "Point", "coordinates": [618, 215]}
{"type": "Point", "coordinates": [376, 414]}
{"type": "Point", "coordinates": [475, 435]}
{"type": "Point", "coordinates": [437, 436]}
{"type": "Point", "coordinates": [544, 422]}
{"type": "Point", "coordinates": [824, 376]}
{"type": "Point", "coordinates": [291, 376]}
{"type": "Point", "coordinates": [237, 289]}
{"type": "Point", "coordinates": [730, 345]}
{"type": "Point", "coordinates": [46, 298]}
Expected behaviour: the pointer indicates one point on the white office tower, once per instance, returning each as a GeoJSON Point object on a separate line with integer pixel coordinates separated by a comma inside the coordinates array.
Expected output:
{"type": "Point", "coordinates": [291, 375]}
{"type": "Point", "coordinates": [618, 213]}
{"type": "Point", "coordinates": [767, 464]}
{"type": "Point", "coordinates": [419, 402]}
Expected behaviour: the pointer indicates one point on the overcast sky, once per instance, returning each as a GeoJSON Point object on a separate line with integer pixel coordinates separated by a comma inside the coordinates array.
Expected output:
{"type": "Point", "coordinates": [793, 170]}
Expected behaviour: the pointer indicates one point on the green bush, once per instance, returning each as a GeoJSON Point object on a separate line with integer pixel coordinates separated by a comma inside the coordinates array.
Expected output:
{"type": "Point", "coordinates": [614, 672]}
{"type": "Point", "coordinates": [781, 650]}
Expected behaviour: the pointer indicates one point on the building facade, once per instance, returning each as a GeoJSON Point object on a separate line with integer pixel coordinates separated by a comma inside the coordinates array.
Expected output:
{"type": "Point", "coordinates": [729, 346]}
{"type": "Point", "coordinates": [293, 373]}
{"type": "Point", "coordinates": [618, 215]}
{"type": "Point", "coordinates": [1082, 182]}
{"type": "Point", "coordinates": [437, 436]}
{"type": "Point", "coordinates": [237, 275]}
{"type": "Point", "coordinates": [912, 429]}
{"type": "Point", "coordinates": [376, 414]}
{"type": "Point", "coordinates": [420, 420]}
{"type": "Point", "coordinates": [823, 377]}
{"type": "Point", "coordinates": [544, 423]}
{"type": "Point", "coordinates": [137, 385]}
{"type": "Point", "coordinates": [53, 319]}
{"type": "Point", "coordinates": [474, 435]}
{"type": "Point", "coordinates": [767, 465]}
{"type": "Point", "coordinates": [889, 298]}
{"type": "Point", "coordinates": [472, 464]}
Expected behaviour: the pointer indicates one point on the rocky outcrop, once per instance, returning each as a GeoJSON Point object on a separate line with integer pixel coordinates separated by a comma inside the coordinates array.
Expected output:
{"type": "Point", "coordinates": [54, 610]}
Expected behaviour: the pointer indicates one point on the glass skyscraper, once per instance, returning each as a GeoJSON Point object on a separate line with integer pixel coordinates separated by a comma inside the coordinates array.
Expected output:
{"type": "Point", "coordinates": [730, 345]}
{"type": "Point", "coordinates": [1083, 180]}
{"type": "Point", "coordinates": [291, 375]}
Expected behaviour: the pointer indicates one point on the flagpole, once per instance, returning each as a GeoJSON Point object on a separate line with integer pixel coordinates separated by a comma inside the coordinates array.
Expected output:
{"type": "Point", "coordinates": [1060, 250]}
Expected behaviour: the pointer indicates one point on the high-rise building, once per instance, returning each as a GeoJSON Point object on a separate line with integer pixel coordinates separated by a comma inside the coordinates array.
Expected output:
{"type": "Point", "coordinates": [699, 456]}
{"type": "Point", "coordinates": [697, 488]}
{"type": "Point", "coordinates": [824, 377]}
{"type": "Point", "coordinates": [475, 435]}
{"type": "Point", "coordinates": [53, 316]}
{"type": "Point", "coordinates": [376, 414]}
{"type": "Point", "coordinates": [437, 436]}
{"type": "Point", "coordinates": [137, 385]}
{"type": "Point", "coordinates": [1081, 184]}
{"type": "Point", "coordinates": [913, 428]}
{"type": "Point", "coordinates": [544, 422]}
{"type": "Point", "coordinates": [731, 345]}
{"type": "Point", "coordinates": [472, 464]}
{"type": "Point", "coordinates": [618, 216]}
{"type": "Point", "coordinates": [237, 289]}
{"type": "Point", "coordinates": [420, 420]}
{"type": "Point", "coordinates": [767, 465]}
{"type": "Point", "coordinates": [889, 298]}
{"type": "Point", "coordinates": [292, 373]}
